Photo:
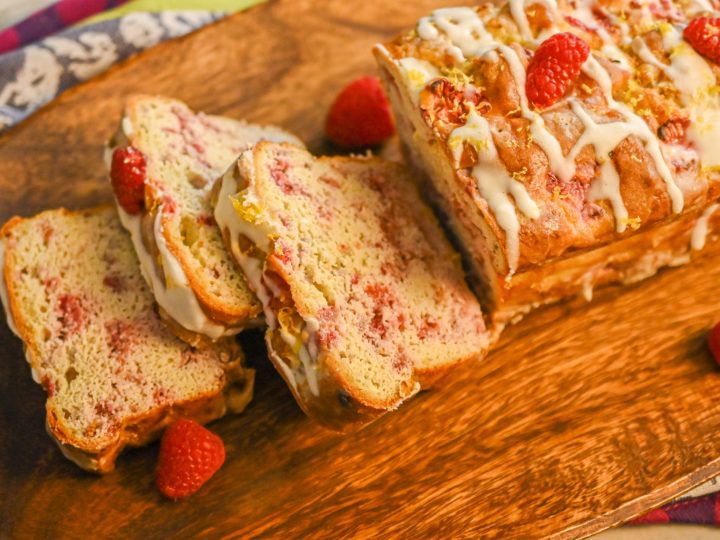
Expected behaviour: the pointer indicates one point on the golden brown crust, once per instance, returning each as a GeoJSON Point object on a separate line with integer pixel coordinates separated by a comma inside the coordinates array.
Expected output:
{"type": "Point", "coordinates": [571, 226]}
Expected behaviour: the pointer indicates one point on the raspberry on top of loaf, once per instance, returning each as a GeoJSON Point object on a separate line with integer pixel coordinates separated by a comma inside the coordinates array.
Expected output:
{"type": "Point", "coordinates": [571, 122]}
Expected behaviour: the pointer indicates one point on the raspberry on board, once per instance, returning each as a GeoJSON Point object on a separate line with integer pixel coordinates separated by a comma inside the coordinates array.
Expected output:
{"type": "Point", "coordinates": [127, 177]}
{"type": "Point", "coordinates": [703, 34]}
{"type": "Point", "coordinates": [554, 68]}
{"type": "Point", "coordinates": [190, 455]}
{"type": "Point", "coordinates": [360, 115]}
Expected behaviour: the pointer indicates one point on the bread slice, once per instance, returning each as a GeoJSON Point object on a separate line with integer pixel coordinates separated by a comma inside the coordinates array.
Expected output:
{"type": "Point", "coordinates": [364, 298]}
{"type": "Point", "coordinates": [201, 293]}
{"type": "Point", "coordinates": [114, 375]}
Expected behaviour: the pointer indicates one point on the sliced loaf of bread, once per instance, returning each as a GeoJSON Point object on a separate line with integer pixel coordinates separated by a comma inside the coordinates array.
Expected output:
{"type": "Point", "coordinates": [114, 375]}
{"type": "Point", "coordinates": [201, 293]}
{"type": "Point", "coordinates": [365, 300]}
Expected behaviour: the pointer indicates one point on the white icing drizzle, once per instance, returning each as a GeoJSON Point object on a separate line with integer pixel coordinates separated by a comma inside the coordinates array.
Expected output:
{"type": "Point", "coordinates": [494, 183]}
{"type": "Point", "coordinates": [417, 73]}
{"type": "Point", "coordinates": [461, 26]}
{"type": "Point", "coordinates": [4, 297]}
{"type": "Point", "coordinates": [700, 231]}
{"type": "Point", "coordinates": [227, 218]}
{"type": "Point", "coordinates": [632, 125]}
{"type": "Point", "coordinates": [695, 79]}
{"type": "Point", "coordinates": [175, 296]}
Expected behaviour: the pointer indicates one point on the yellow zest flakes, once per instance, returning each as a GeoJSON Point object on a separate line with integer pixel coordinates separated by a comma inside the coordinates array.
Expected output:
{"type": "Point", "coordinates": [586, 88]}
{"type": "Point", "coordinates": [635, 158]}
{"type": "Point", "coordinates": [513, 112]}
{"type": "Point", "coordinates": [558, 194]}
{"type": "Point", "coordinates": [248, 211]}
{"type": "Point", "coordinates": [458, 77]}
{"type": "Point", "coordinates": [520, 175]}
{"type": "Point", "coordinates": [634, 223]}
{"type": "Point", "coordinates": [416, 78]}
{"type": "Point", "coordinates": [644, 112]}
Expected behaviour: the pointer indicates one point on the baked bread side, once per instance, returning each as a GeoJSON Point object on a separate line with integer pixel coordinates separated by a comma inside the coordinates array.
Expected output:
{"type": "Point", "coordinates": [532, 191]}
{"type": "Point", "coordinates": [201, 293]}
{"type": "Point", "coordinates": [113, 374]}
{"type": "Point", "coordinates": [365, 299]}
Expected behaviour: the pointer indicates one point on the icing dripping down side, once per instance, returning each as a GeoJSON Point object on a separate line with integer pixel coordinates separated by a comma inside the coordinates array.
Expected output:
{"type": "Point", "coordinates": [494, 183]}
{"type": "Point", "coordinates": [700, 231]}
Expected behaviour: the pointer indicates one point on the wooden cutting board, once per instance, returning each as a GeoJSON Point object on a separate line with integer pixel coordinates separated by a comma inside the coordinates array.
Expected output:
{"type": "Point", "coordinates": [582, 417]}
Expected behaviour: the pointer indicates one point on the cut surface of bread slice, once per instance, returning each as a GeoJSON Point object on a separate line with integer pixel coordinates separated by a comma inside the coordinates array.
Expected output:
{"type": "Point", "coordinates": [365, 300]}
{"type": "Point", "coordinates": [113, 373]}
{"type": "Point", "coordinates": [201, 292]}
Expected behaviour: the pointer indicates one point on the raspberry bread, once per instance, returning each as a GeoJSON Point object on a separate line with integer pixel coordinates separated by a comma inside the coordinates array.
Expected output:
{"type": "Point", "coordinates": [163, 161]}
{"type": "Point", "coordinates": [114, 375]}
{"type": "Point", "coordinates": [365, 300]}
{"type": "Point", "coordinates": [570, 144]}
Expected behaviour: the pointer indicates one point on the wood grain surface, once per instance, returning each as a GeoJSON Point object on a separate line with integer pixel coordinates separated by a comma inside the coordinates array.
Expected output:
{"type": "Point", "coordinates": [583, 416]}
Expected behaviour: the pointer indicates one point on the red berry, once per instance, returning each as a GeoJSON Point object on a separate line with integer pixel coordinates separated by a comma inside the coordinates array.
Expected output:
{"type": "Point", "coordinates": [189, 456]}
{"type": "Point", "coordinates": [127, 177]}
{"type": "Point", "coordinates": [554, 68]}
{"type": "Point", "coordinates": [703, 34]}
{"type": "Point", "coordinates": [360, 115]}
{"type": "Point", "coordinates": [714, 342]}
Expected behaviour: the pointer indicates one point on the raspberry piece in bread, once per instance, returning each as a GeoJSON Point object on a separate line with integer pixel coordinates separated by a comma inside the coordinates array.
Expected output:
{"type": "Point", "coordinates": [202, 295]}
{"type": "Point", "coordinates": [113, 373]}
{"type": "Point", "coordinates": [365, 299]}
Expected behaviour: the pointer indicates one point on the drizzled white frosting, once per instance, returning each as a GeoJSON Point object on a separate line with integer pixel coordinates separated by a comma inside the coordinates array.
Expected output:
{"type": "Point", "coordinates": [417, 73]}
{"type": "Point", "coordinates": [227, 218]}
{"type": "Point", "coordinates": [4, 297]}
{"type": "Point", "coordinates": [174, 295]}
{"type": "Point", "coordinates": [700, 231]}
{"type": "Point", "coordinates": [494, 183]}
{"type": "Point", "coordinates": [463, 28]}
{"type": "Point", "coordinates": [695, 79]}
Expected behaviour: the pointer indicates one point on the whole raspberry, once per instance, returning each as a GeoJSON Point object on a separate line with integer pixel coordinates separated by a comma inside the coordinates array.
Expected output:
{"type": "Point", "coordinates": [189, 456]}
{"type": "Point", "coordinates": [554, 68]}
{"type": "Point", "coordinates": [714, 342]}
{"type": "Point", "coordinates": [360, 115]}
{"type": "Point", "coordinates": [127, 177]}
{"type": "Point", "coordinates": [703, 34]}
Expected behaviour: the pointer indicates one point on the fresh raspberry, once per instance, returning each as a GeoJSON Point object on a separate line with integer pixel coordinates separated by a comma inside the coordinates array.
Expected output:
{"type": "Point", "coordinates": [703, 34]}
{"type": "Point", "coordinates": [714, 342]}
{"type": "Point", "coordinates": [189, 456]}
{"type": "Point", "coordinates": [360, 115]}
{"type": "Point", "coordinates": [127, 177]}
{"type": "Point", "coordinates": [554, 67]}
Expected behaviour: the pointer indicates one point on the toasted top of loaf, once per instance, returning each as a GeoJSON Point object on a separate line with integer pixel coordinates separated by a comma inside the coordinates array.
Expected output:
{"type": "Point", "coordinates": [113, 373]}
{"type": "Point", "coordinates": [184, 153]}
{"type": "Point", "coordinates": [633, 142]}
{"type": "Point", "coordinates": [361, 290]}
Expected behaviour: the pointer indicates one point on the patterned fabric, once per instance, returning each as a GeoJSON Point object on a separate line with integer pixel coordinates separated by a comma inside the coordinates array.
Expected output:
{"type": "Point", "coordinates": [52, 19]}
{"type": "Point", "coordinates": [700, 510]}
{"type": "Point", "coordinates": [32, 76]}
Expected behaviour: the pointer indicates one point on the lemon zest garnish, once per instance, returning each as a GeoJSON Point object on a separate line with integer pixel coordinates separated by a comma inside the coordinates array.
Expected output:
{"type": "Point", "coordinates": [520, 175]}
{"type": "Point", "coordinates": [247, 211]}
{"type": "Point", "coordinates": [558, 194]}
{"type": "Point", "coordinates": [634, 223]}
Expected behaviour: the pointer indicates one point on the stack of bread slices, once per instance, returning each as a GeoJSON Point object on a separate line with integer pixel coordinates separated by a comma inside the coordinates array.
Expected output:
{"type": "Point", "coordinates": [129, 314]}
